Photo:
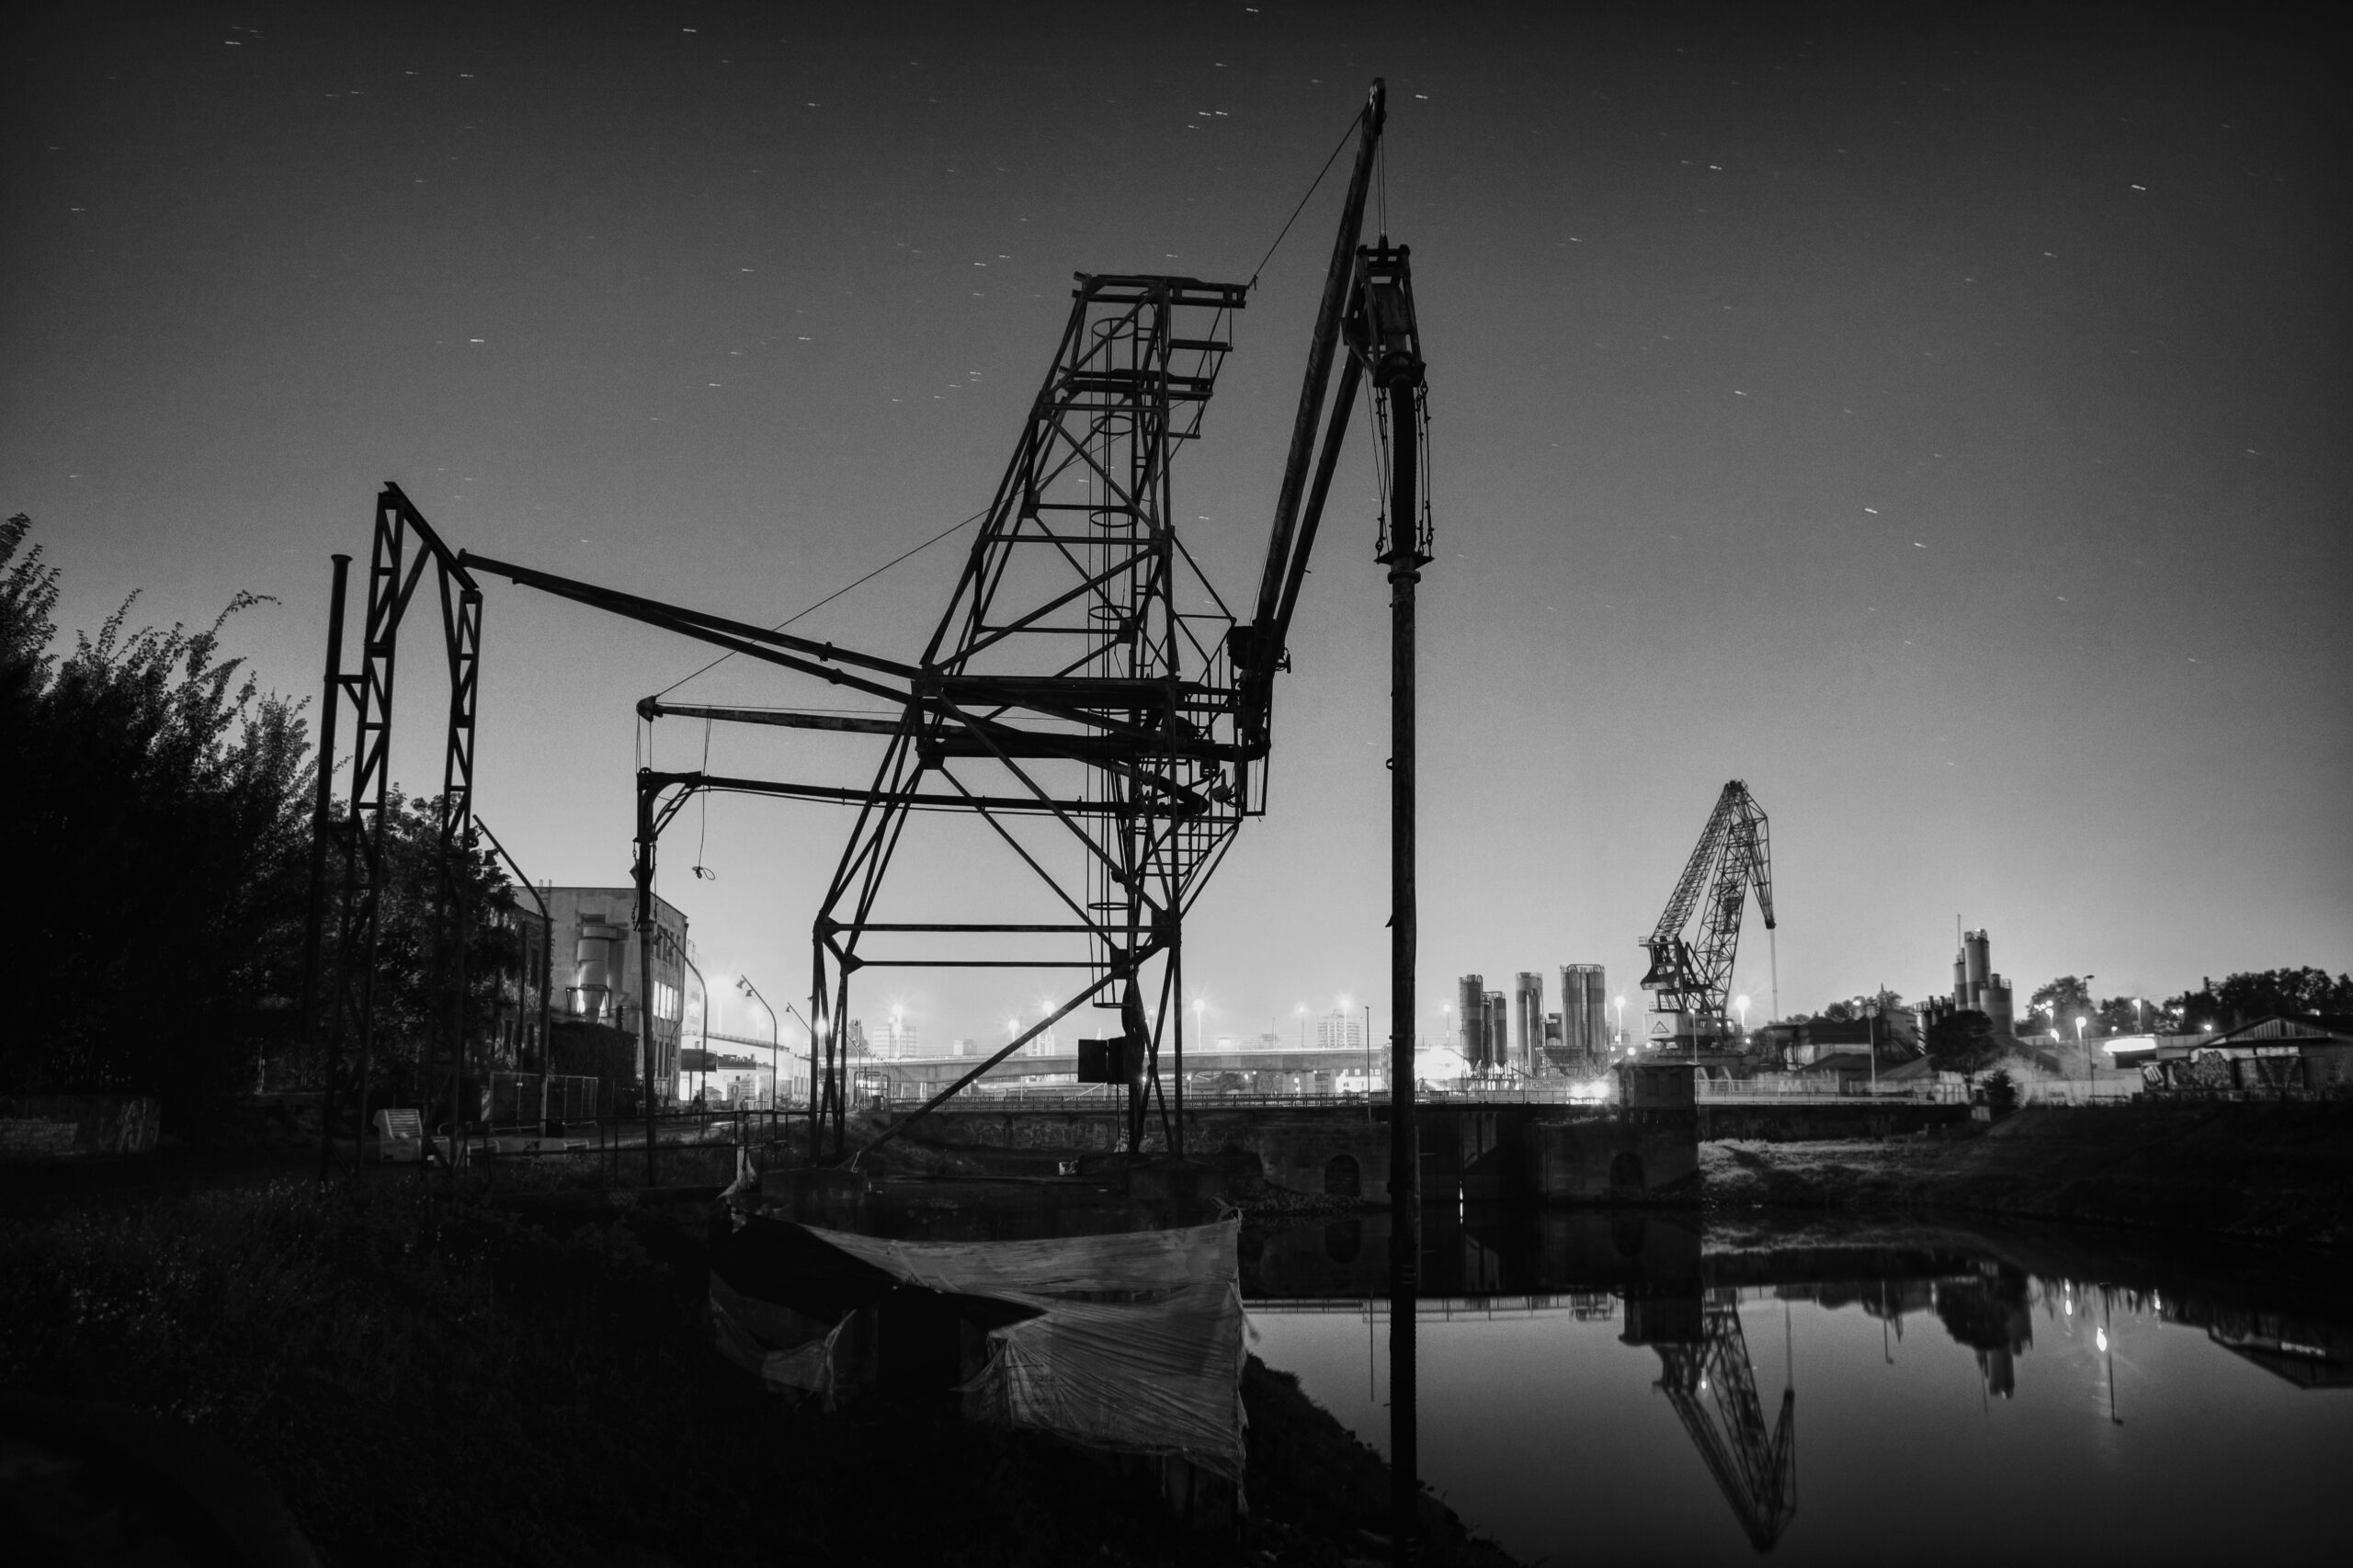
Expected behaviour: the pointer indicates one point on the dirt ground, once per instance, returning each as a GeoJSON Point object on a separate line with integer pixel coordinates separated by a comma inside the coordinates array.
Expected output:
{"type": "Point", "coordinates": [2275, 1172]}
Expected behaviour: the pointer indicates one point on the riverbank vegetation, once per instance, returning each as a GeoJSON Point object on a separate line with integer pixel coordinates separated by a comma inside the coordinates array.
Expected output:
{"type": "Point", "coordinates": [159, 803]}
{"type": "Point", "coordinates": [2275, 1172]}
{"type": "Point", "coordinates": [424, 1375]}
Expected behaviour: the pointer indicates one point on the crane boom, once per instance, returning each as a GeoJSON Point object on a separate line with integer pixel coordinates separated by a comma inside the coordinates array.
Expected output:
{"type": "Point", "coordinates": [1258, 646]}
{"type": "Point", "coordinates": [1733, 856]}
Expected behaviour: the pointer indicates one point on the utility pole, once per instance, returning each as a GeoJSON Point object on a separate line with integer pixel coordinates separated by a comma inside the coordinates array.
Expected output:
{"type": "Point", "coordinates": [645, 876]}
{"type": "Point", "coordinates": [1383, 332]}
{"type": "Point", "coordinates": [322, 828]}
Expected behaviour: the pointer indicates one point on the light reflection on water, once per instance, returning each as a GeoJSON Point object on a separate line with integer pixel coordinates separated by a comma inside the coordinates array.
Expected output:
{"type": "Point", "coordinates": [1596, 1390]}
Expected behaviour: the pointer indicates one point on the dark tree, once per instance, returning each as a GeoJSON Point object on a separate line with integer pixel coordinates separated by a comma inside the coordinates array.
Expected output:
{"type": "Point", "coordinates": [1857, 1007]}
{"type": "Point", "coordinates": [2064, 998]}
{"type": "Point", "coordinates": [413, 953]}
{"type": "Point", "coordinates": [154, 804]}
{"type": "Point", "coordinates": [2242, 999]}
{"type": "Point", "coordinates": [1963, 1043]}
{"type": "Point", "coordinates": [151, 806]}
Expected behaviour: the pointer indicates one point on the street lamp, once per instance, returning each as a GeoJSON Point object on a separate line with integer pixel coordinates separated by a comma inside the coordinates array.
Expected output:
{"type": "Point", "coordinates": [2087, 1055]}
{"type": "Point", "coordinates": [1621, 1003]}
{"type": "Point", "coordinates": [1201, 1040]}
{"type": "Point", "coordinates": [776, 1081]}
{"type": "Point", "coordinates": [1742, 1004]}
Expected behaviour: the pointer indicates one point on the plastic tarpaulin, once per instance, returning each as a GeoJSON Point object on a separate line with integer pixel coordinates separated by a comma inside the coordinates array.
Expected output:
{"type": "Point", "coordinates": [796, 1356]}
{"type": "Point", "coordinates": [1137, 1343]}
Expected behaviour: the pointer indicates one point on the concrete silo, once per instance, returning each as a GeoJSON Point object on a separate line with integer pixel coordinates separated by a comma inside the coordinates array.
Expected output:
{"type": "Point", "coordinates": [1471, 1010]}
{"type": "Point", "coordinates": [1528, 1021]}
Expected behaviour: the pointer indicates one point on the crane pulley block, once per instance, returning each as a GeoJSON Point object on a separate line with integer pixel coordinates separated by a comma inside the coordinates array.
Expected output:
{"type": "Point", "coordinates": [1382, 329]}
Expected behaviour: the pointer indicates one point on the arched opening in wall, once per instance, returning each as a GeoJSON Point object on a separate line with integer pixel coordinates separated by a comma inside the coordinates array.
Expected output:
{"type": "Point", "coordinates": [1627, 1234]}
{"type": "Point", "coordinates": [1341, 1177]}
{"type": "Point", "coordinates": [1626, 1172]}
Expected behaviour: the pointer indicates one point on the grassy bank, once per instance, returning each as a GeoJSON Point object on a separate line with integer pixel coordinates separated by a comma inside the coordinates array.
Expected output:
{"type": "Point", "coordinates": [424, 1376]}
{"type": "Point", "coordinates": [2275, 1172]}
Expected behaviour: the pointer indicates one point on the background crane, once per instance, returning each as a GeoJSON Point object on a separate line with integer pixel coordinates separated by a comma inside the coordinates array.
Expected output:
{"type": "Point", "coordinates": [1733, 856]}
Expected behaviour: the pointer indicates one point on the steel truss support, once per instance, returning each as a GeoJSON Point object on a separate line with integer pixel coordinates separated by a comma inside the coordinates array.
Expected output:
{"type": "Point", "coordinates": [356, 837]}
{"type": "Point", "coordinates": [1079, 609]}
{"type": "Point", "coordinates": [1087, 693]}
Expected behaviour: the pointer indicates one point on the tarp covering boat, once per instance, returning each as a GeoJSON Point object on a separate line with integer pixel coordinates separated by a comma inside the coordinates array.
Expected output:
{"type": "Point", "coordinates": [1130, 1342]}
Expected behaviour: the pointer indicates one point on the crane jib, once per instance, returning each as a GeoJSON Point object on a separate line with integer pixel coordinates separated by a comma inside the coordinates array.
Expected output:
{"type": "Point", "coordinates": [1262, 647]}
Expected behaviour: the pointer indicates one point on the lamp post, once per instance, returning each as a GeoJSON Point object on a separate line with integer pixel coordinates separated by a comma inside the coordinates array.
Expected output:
{"type": "Point", "coordinates": [1742, 1004]}
{"type": "Point", "coordinates": [1870, 1038]}
{"type": "Point", "coordinates": [2087, 1055]}
{"type": "Point", "coordinates": [697, 973]}
{"type": "Point", "coordinates": [1341, 1007]}
{"type": "Point", "coordinates": [776, 1081]}
{"type": "Point", "coordinates": [1200, 1038]}
{"type": "Point", "coordinates": [1620, 1003]}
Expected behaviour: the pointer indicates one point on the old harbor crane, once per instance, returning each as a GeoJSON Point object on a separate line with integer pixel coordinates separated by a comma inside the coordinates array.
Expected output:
{"type": "Point", "coordinates": [1689, 982]}
{"type": "Point", "coordinates": [1087, 694]}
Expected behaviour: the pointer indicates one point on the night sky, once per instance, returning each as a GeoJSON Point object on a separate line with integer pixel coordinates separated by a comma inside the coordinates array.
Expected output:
{"type": "Point", "coordinates": [1938, 424]}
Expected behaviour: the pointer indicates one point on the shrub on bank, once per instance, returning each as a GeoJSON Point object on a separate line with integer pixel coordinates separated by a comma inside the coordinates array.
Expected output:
{"type": "Point", "coordinates": [425, 1376]}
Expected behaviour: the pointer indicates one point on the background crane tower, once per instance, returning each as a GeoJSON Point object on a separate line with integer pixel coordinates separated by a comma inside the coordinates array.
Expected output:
{"type": "Point", "coordinates": [1688, 981]}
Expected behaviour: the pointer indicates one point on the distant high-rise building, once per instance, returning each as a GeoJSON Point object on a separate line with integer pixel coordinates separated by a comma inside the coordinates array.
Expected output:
{"type": "Point", "coordinates": [1976, 987]}
{"type": "Point", "coordinates": [1339, 1030]}
{"type": "Point", "coordinates": [1528, 1021]}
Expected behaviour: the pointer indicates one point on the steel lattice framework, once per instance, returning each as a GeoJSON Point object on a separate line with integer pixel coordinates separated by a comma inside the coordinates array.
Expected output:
{"type": "Point", "coordinates": [1066, 678]}
{"type": "Point", "coordinates": [1733, 854]}
{"type": "Point", "coordinates": [1087, 693]}
{"type": "Point", "coordinates": [357, 837]}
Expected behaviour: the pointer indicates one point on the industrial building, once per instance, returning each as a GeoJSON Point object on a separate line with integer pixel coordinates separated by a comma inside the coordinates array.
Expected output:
{"type": "Point", "coordinates": [1528, 1021]}
{"type": "Point", "coordinates": [1583, 1048]}
{"type": "Point", "coordinates": [1471, 1003]}
{"type": "Point", "coordinates": [1514, 1035]}
{"type": "Point", "coordinates": [1976, 988]}
{"type": "Point", "coordinates": [597, 974]}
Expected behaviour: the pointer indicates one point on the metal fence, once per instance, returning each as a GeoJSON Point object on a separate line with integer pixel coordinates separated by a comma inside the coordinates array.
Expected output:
{"type": "Point", "coordinates": [693, 1148]}
{"type": "Point", "coordinates": [525, 1099]}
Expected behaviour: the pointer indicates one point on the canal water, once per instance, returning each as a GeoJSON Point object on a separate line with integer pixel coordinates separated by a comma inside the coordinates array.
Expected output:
{"type": "Point", "coordinates": [1647, 1389]}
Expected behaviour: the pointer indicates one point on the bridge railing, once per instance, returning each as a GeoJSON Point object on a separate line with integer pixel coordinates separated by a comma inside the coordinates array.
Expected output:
{"type": "Point", "coordinates": [1059, 1098]}
{"type": "Point", "coordinates": [1750, 1092]}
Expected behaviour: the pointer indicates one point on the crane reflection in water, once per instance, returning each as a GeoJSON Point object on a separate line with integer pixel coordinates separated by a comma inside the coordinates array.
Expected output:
{"type": "Point", "coordinates": [1543, 1436]}
{"type": "Point", "coordinates": [1705, 1373]}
